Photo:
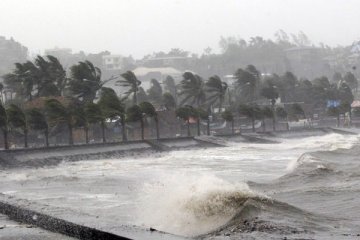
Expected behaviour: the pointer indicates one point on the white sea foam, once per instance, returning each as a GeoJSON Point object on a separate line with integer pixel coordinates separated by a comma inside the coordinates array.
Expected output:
{"type": "Point", "coordinates": [190, 204]}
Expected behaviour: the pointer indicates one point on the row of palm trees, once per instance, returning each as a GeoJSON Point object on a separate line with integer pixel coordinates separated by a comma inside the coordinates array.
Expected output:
{"type": "Point", "coordinates": [73, 114]}
{"type": "Point", "coordinates": [73, 101]}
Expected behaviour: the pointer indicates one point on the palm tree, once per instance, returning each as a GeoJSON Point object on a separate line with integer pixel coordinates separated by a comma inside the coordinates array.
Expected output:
{"type": "Point", "coordinates": [58, 113]}
{"type": "Point", "coordinates": [335, 112]}
{"type": "Point", "coordinates": [204, 115]}
{"type": "Point", "coordinates": [270, 92]}
{"type": "Point", "coordinates": [155, 91]}
{"type": "Point", "coordinates": [113, 108]}
{"type": "Point", "coordinates": [169, 101]}
{"type": "Point", "coordinates": [267, 112]}
{"type": "Point", "coordinates": [296, 110]}
{"type": "Point", "coordinates": [170, 87]}
{"type": "Point", "coordinates": [4, 125]}
{"type": "Point", "coordinates": [48, 74]}
{"type": "Point", "coordinates": [217, 90]}
{"type": "Point", "coordinates": [228, 117]}
{"type": "Point", "coordinates": [351, 81]}
{"type": "Point", "coordinates": [247, 81]}
{"type": "Point", "coordinates": [186, 113]}
{"type": "Point", "coordinates": [149, 110]}
{"type": "Point", "coordinates": [130, 81]}
{"type": "Point", "coordinates": [85, 81]}
{"type": "Point", "coordinates": [22, 80]}
{"type": "Point", "coordinates": [17, 119]}
{"type": "Point", "coordinates": [37, 121]}
{"type": "Point", "coordinates": [282, 114]}
{"type": "Point", "coordinates": [192, 89]}
{"type": "Point", "coordinates": [57, 73]}
{"type": "Point", "coordinates": [134, 114]}
{"type": "Point", "coordinates": [94, 115]}
{"type": "Point", "coordinates": [253, 112]}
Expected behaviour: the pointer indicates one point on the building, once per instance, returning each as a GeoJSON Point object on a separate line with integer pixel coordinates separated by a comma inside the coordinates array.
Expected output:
{"type": "Point", "coordinates": [112, 62]}
{"type": "Point", "coordinates": [177, 62]}
{"type": "Point", "coordinates": [145, 74]}
{"type": "Point", "coordinates": [11, 52]}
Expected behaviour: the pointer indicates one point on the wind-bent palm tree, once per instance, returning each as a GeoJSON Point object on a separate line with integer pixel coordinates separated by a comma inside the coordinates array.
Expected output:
{"type": "Point", "coordinates": [4, 125]}
{"type": "Point", "coordinates": [134, 114]}
{"type": "Point", "coordinates": [37, 121]}
{"type": "Point", "coordinates": [270, 92]}
{"type": "Point", "coordinates": [169, 101]}
{"type": "Point", "coordinates": [282, 114]}
{"type": "Point", "coordinates": [58, 113]}
{"type": "Point", "coordinates": [85, 81]}
{"type": "Point", "coordinates": [17, 119]}
{"type": "Point", "coordinates": [57, 73]}
{"type": "Point", "coordinates": [247, 82]}
{"type": "Point", "coordinates": [185, 113]}
{"type": "Point", "coordinates": [50, 76]}
{"type": "Point", "coordinates": [155, 92]}
{"type": "Point", "coordinates": [204, 115]}
{"type": "Point", "coordinates": [149, 110]}
{"type": "Point", "coordinates": [130, 81]}
{"type": "Point", "coordinates": [266, 112]}
{"type": "Point", "coordinates": [228, 117]}
{"type": "Point", "coordinates": [217, 90]}
{"type": "Point", "coordinates": [170, 87]}
{"type": "Point", "coordinates": [94, 115]}
{"type": "Point", "coordinates": [22, 80]}
{"type": "Point", "coordinates": [113, 108]}
{"type": "Point", "coordinates": [192, 89]}
{"type": "Point", "coordinates": [253, 112]}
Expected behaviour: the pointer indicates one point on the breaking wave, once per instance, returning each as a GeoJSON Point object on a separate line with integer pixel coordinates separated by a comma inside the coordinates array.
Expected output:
{"type": "Point", "coordinates": [191, 205]}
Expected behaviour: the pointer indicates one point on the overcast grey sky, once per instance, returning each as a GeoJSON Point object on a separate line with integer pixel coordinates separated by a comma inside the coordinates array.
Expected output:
{"type": "Point", "coordinates": [140, 27]}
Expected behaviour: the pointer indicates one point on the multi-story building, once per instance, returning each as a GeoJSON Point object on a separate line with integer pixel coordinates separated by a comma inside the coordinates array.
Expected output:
{"type": "Point", "coordinates": [10, 53]}
{"type": "Point", "coordinates": [112, 62]}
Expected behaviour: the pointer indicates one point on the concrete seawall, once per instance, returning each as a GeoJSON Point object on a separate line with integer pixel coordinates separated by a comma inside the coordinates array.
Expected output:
{"type": "Point", "coordinates": [37, 157]}
{"type": "Point", "coordinates": [66, 222]}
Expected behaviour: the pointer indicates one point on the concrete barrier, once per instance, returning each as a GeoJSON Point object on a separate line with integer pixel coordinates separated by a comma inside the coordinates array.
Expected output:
{"type": "Point", "coordinates": [73, 224]}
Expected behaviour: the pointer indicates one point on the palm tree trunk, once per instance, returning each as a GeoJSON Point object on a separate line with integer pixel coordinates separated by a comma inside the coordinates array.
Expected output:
{"type": "Point", "coordinates": [86, 130]}
{"type": "Point", "coordinates": [47, 137]}
{"type": "Point", "coordinates": [157, 127]}
{"type": "Point", "coordinates": [26, 137]}
{"type": "Point", "coordinates": [273, 115]}
{"type": "Point", "coordinates": [208, 126]}
{"type": "Point", "coordinates": [188, 128]}
{"type": "Point", "coordinates": [6, 141]}
{"type": "Point", "coordinates": [198, 126]}
{"type": "Point", "coordinates": [142, 128]}
{"type": "Point", "coordinates": [123, 126]}
{"type": "Point", "coordinates": [103, 131]}
{"type": "Point", "coordinates": [350, 115]}
{"type": "Point", "coordinates": [71, 139]}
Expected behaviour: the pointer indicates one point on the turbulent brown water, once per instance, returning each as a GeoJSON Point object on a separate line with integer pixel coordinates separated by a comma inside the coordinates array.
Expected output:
{"type": "Point", "coordinates": [302, 188]}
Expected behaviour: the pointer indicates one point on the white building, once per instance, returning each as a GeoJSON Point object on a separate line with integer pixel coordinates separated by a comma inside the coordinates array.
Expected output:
{"type": "Point", "coordinates": [112, 62]}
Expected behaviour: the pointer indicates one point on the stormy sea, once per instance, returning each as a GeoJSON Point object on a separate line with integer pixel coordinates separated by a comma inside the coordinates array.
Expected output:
{"type": "Point", "coordinates": [302, 187]}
